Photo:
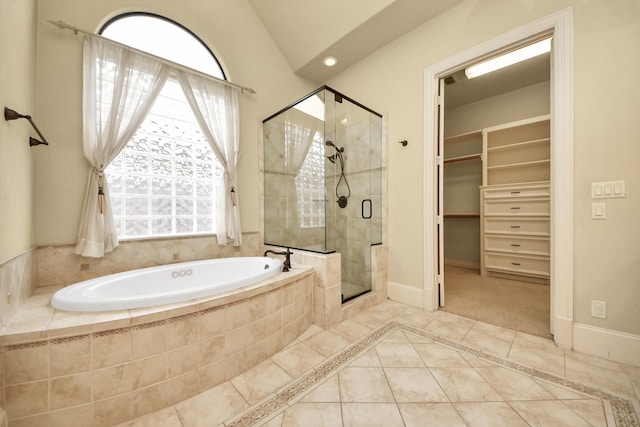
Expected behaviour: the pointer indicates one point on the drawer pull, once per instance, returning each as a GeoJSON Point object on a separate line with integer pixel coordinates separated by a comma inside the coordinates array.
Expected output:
{"type": "Point", "coordinates": [515, 192]}
{"type": "Point", "coordinates": [515, 226]}
{"type": "Point", "coordinates": [515, 208]}
{"type": "Point", "coordinates": [515, 245]}
{"type": "Point", "coordinates": [515, 263]}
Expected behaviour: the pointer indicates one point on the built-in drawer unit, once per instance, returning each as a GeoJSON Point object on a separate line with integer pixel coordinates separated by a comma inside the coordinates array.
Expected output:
{"type": "Point", "coordinates": [517, 244]}
{"type": "Point", "coordinates": [530, 226]}
{"type": "Point", "coordinates": [519, 206]}
{"type": "Point", "coordinates": [515, 264]}
{"type": "Point", "coordinates": [516, 227]}
{"type": "Point", "coordinates": [517, 191]}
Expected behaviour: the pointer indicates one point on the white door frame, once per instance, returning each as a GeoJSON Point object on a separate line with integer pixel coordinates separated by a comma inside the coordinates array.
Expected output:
{"type": "Point", "coordinates": [560, 25]}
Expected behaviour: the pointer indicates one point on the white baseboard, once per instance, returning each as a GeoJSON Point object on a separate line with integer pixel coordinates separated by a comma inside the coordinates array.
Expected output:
{"type": "Point", "coordinates": [611, 345]}
{"type": "Point", "coordinates": [405, 294]}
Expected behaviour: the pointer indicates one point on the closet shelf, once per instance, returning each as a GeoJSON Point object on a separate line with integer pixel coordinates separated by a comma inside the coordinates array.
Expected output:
{"type": "Point", "coordinates": [463, 158]}
{"type": "Point", "coordinates": [463, 137]}
{"type": "Point", "coordinates": [462, 215]}
{"type": "Point", "coordinates": [519, 144]}
{"type": "Point", "coordinates": [518, 165]}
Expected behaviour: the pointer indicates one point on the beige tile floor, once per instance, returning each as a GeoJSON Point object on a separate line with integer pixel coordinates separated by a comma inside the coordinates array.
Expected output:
{"type": "Point", "coordinates": [394, 365]}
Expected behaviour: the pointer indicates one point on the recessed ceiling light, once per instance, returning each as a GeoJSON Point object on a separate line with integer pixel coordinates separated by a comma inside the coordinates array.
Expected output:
{"type": "Point", "coordinates": [510, 58]}
{"type": "Point", "coordinates": [330, 61]}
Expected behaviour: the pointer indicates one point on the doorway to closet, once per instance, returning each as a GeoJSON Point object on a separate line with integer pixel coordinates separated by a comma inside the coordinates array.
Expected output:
{"type": "Point", "coordinates": [559, 25]}
{"type": "Point", "coordinates": [495, 204]}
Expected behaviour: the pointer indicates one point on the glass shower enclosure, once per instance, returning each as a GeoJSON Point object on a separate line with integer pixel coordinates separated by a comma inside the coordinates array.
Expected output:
{"type": "Point", "coordinates": [323, 182]}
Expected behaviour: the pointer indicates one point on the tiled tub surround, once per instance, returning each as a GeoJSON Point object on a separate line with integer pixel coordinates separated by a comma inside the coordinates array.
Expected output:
{"type": "Point", "coordinates": [102, 369]}
{"type": "Point", "coordinates": [18, 279]}
{"type": "Point", "coordinates": [59, 265]}
{"type": "Point", "coordinates": [328, 309]}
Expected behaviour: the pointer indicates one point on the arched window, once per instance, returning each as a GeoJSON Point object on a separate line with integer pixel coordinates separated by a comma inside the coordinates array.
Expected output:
{"type": "Point", "coordinates": [164, 182]}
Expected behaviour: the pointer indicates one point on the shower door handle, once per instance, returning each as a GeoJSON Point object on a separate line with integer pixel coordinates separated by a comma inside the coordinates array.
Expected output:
{"type": "Point", "coordinates": [369, 203]}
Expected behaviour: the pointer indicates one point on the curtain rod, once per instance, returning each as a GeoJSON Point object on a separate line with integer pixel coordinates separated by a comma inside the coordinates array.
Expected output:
{"type": "Point", "coordinates": [64, 26]}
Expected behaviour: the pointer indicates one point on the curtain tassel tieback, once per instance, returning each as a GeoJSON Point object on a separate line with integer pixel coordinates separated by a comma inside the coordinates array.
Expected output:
{"type": "Point", "coordinates": [100, 174]}
{"type": "Point", "coordinates": [233, 196]}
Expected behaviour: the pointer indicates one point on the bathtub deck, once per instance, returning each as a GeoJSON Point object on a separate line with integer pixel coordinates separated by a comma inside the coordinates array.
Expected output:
{"type": "Point", "coordinates": [37, 320]}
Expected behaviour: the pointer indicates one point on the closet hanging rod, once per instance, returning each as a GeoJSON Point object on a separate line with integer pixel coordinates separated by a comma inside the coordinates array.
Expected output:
{"type": "Point", "coordinates": [64, 26]}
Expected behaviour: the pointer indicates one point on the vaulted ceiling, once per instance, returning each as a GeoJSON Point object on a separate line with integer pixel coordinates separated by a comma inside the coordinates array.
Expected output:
{"type": "Point", "coordinates": [306, 31]}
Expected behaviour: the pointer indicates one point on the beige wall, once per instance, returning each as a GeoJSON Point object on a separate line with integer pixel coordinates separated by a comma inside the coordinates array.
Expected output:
{"type": "Point", "coordinates": [232, 31]}
{"type": "Point", "coordinates": [606, 91]}
{"type": "Point", "coordinates": [17, 91]}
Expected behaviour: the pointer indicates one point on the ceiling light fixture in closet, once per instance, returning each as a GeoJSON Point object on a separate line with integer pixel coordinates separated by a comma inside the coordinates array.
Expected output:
{"type": "Point", "coordinates": [513, 57]}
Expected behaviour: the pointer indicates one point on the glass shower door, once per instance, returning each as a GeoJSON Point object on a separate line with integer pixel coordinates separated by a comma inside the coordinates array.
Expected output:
{"type": "Point", "coordinates": [358, 134]}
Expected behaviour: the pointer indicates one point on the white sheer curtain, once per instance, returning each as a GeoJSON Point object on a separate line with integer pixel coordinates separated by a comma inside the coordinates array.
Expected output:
{"type": "Point", "coordinates": [215, 106]}
{"type": "Point", "coordinates": [120, 86]}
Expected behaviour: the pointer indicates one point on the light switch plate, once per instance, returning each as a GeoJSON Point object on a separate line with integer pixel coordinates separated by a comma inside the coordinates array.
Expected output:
{"type": "Point", "coordinates": [607, 190]}
{"type": "Point", "coordinates": [598, 210]}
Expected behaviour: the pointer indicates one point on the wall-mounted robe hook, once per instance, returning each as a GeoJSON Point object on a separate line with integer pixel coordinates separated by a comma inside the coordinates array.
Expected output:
{"type": "Point", "coordinates": [10, 114]}
{"type": "Point", "coordinates": [404, 142]}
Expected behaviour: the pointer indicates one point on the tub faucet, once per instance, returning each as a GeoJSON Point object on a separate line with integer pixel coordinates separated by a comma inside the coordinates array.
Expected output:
{"type": "Point", "coordinates": [287, 258]}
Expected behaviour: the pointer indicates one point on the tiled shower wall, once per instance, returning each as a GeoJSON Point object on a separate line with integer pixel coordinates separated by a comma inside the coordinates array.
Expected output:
{"type": "Point", "coordinates": [282, 219]}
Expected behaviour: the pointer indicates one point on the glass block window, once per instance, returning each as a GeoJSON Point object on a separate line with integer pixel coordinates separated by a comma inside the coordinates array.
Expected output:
{"type": "Point", "coordinates": [310, 186]}
{"type": "Point", "coordinates": [164, 182]}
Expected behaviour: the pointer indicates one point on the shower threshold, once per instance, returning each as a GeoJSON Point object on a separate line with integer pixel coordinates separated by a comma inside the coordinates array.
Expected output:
{"type": "Point", "coordinates": [351, 291]}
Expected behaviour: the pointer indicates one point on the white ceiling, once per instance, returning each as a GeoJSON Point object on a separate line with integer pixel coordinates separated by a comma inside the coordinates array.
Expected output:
{"type": "Point", "coordinates": [306, 31]}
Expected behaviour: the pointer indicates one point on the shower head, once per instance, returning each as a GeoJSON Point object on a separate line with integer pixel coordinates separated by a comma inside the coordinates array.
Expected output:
{"type": "Point", "coordinates": [331, 144]}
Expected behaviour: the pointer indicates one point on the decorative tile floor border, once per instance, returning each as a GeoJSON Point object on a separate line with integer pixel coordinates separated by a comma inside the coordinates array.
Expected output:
{"type": "Point", "coordinates": [622, 410]}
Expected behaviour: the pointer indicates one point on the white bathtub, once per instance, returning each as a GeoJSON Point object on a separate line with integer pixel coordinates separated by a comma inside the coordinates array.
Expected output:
{"type": "Point", "coordinates": [165, 284]}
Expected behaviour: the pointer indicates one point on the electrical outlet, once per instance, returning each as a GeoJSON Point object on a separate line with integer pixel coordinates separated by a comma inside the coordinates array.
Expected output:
{"type": "Point", "coordinates": [599, 309]}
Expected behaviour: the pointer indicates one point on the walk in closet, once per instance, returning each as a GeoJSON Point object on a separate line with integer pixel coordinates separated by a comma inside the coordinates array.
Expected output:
{"type": "Point", "coordinates": [497, 200]}
{"type": "Point", "coordinates": [497, 222]}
